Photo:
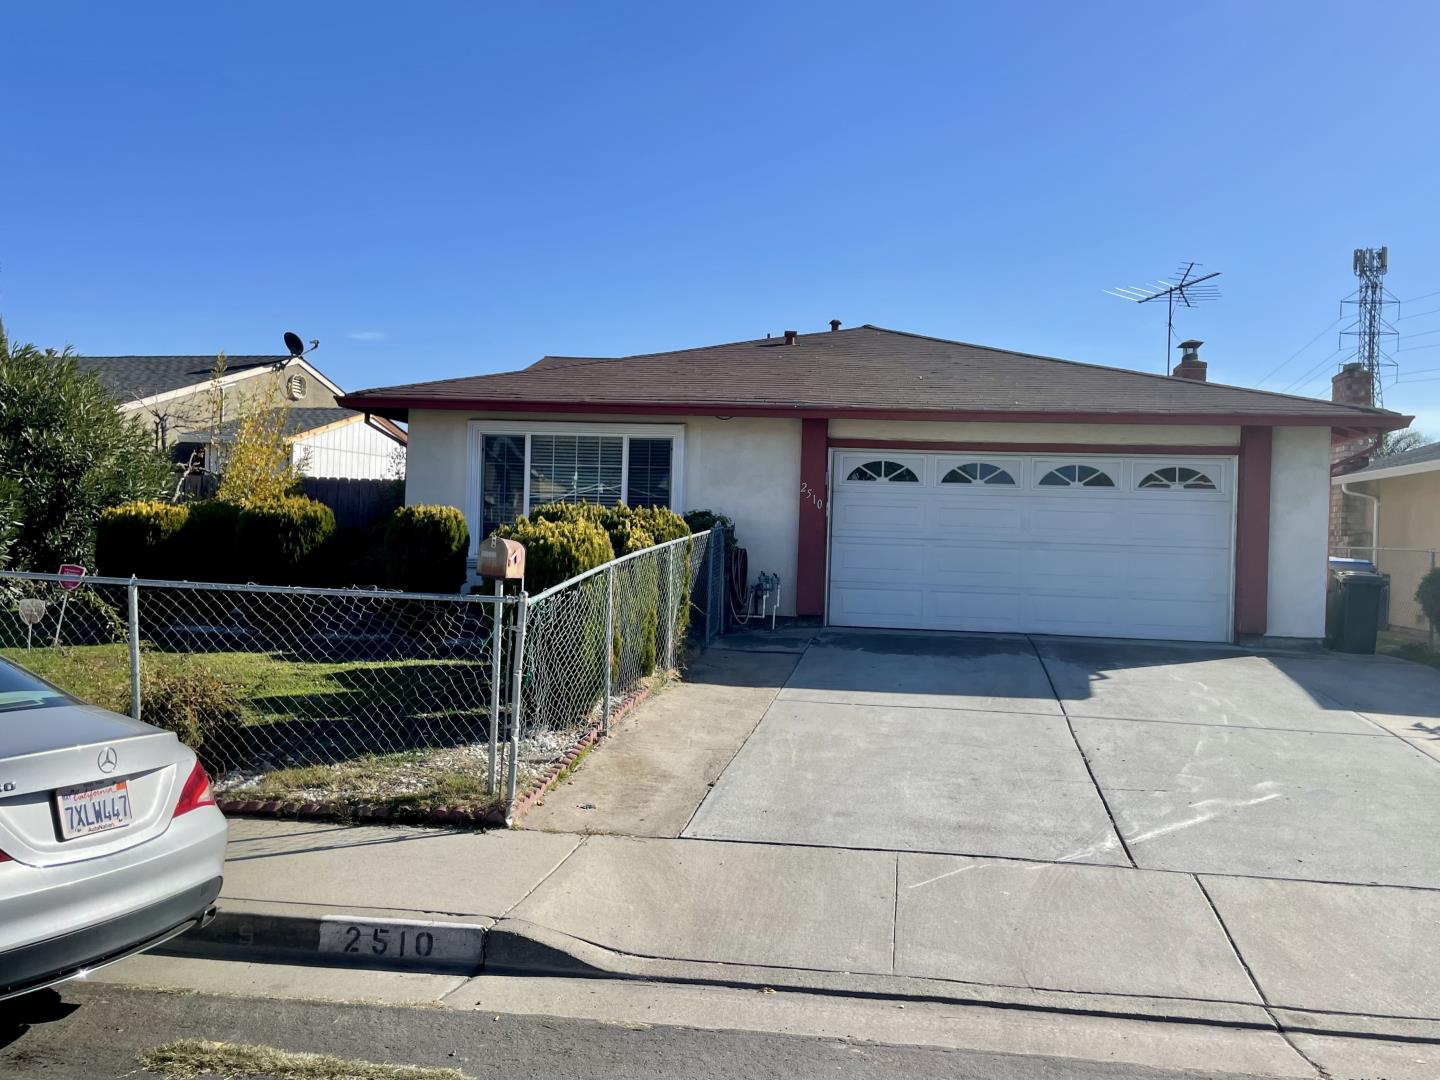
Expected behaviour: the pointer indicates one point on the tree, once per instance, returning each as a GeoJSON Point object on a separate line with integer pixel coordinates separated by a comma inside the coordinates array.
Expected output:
{"type": "Point", "coordinates": [1398, 442]}
{"type": "Point", "coordinates": [66, 454]}
{"type": "Point", "coordinates": [252, 446]}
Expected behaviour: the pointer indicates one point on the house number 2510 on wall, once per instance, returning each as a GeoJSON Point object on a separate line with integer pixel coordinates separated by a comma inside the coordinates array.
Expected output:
{"type": "Point", "coordinates": [806, 492]}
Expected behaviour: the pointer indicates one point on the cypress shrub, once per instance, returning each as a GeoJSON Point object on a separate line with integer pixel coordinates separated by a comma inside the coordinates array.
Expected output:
{"type": "Point", "coordinates": [276, 540]}
{"type": "Point", "coordinates": [557, 550]}
{"type": "Point", "coordinates": [139, 538]}
{"type": "Point", "coordinates": [661, 522]}
{"type": "Point", "coordinates": [207, 542]}
{"type": "Point", "coordinates": [425, 549]}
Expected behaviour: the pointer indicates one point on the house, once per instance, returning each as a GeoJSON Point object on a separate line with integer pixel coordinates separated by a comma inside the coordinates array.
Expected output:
{"type": "Point", "coordinates": [897, 480]}
{"type": "Point", "coordinates": [1391, 515]}
{"type": "Point", "coordinates": [189, 406]}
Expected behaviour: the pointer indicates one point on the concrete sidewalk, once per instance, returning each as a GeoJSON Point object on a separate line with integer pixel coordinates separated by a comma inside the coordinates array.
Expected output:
{"type": "Point", "coordinates": [1113, 940]}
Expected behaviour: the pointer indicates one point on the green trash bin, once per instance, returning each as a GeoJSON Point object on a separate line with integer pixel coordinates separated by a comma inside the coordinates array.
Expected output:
{"type": "Point", "coordinates": [1352, 610]}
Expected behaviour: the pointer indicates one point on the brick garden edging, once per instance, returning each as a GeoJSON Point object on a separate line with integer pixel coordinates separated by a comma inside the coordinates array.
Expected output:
{"type": "Point", "coordinates": [489, 817]}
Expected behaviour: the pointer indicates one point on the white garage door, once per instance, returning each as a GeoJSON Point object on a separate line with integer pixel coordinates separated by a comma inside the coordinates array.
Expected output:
{"type": "Point", "coordinates": [1107, 546]}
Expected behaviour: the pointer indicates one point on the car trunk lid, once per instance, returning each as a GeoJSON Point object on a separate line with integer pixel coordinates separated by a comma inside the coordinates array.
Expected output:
{"type": "Point", "coordinates": [45, 752]}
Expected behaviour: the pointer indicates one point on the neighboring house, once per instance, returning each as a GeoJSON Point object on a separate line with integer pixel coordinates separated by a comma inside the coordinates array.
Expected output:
{"type": "Point", "coordinates": [181, 400]}
{"type": "Point", "coordinates": [899, 480]}
{"type": "Point", "coordinates": [1392, 515]}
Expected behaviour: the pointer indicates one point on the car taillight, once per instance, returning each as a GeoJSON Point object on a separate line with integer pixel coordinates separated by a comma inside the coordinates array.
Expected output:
{"type": "Point", "coordinates": [196, 792]}
{"type": "Point", "coordinates": [4, 857]}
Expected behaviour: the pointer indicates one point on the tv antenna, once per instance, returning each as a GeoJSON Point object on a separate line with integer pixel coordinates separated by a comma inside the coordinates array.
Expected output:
{"type": "Point", "coordinates": [1186, 290]}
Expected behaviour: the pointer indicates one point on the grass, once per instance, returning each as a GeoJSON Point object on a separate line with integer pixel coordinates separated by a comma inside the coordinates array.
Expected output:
{"type": "Point", "coordinates": [270, 687]}
{"type": "Point", "coordinates": [196, 1057]}
{"type": "Point", "coordinates": [1407, 647]}
{"type": "Point", "coordinates": [409, 782]}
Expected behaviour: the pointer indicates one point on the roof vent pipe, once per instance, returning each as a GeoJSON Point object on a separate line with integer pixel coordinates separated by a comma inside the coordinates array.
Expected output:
{"type": "Point", "coordinates": [834, 325]}
{"type": "Point", "coordinates": [790, 336]}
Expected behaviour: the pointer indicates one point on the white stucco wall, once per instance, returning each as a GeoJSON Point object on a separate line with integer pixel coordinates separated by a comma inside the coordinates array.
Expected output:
{"type": "Point", "coordinates": [748, 469]}
{"type": "Point", "coordinates": [1035, 433]}
{"type": "Point", "coordinates": [1299, 531]}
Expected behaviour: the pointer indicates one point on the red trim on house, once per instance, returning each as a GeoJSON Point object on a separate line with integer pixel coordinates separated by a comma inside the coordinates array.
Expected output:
{"type": "Point", "coordinates": [1146, 449]}
{"type": "Point", "coordinates": [384, 405]}
{"type": "Point", "coordinates": [814, 496]}
{"type": "Point", "coordinates": [1252, 532]}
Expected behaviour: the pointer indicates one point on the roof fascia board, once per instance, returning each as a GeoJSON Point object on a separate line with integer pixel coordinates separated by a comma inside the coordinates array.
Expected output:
{"type": "Point", "coordinates": [1378, 423]}
{"type": "Point", "coordinates": [1386, 474]}
{"type": "Point", "coordinates": [228, 379]}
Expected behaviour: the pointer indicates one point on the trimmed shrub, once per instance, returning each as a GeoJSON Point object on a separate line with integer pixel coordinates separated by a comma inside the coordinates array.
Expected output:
{"type": "Point", "coordinates": [570, 511]}
{"type": "Point", "coordinates": [625, 532]}
{"type": "Point", "coordinates": [556, 550]}
{"type": "Point", "coordinates": [1428, 596]}
{"type": "Point", "coordinates": [703, 520]}
{"type": "Point", "coordinates": [206, 544]}
{"type": "Point", "coordinates": [139, 538]}
{"type": "Point", "coordinates": [661, 522]}
{"type": "Point", "coordinates": [202, 710]}
{"type": "Point", "coordinates": [276, 541]}
{"type": "Point", "coordinates": [425, 549]}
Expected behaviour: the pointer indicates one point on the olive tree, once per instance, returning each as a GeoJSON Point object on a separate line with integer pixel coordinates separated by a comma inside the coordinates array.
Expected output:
{"type": "Point", "coordinates": [66, 454]}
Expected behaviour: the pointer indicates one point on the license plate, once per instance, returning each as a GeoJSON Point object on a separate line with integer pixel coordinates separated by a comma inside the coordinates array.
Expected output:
{"type": "Point", "coordinates": [93, 808]}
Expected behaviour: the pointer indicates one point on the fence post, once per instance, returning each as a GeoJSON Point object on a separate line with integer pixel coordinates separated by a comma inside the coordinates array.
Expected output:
{"type": "Point", "coordinates": [497, 676]}
{"type": "Point", "coordinates": [517, 714]}
{"type": "Point", "coordinates": [606, 654]}
{"type": "Point", "coordinates": [668, 607]}
{"type": "Point", "coordinates": [132, 599]}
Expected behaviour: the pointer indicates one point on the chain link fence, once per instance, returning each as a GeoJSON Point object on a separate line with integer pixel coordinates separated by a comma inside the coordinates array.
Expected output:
{"type": "Point", "coordinates": [592, 642]}
{"type": "Point", "coordinates": [355, 698]}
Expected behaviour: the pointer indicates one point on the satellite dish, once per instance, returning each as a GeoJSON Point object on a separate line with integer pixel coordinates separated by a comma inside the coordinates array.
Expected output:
{"type": "Point", "coordinates": [294, 344]}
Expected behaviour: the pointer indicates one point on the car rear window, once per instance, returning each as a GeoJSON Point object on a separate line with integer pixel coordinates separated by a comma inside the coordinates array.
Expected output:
{"type": "Point", "coordinates": [21, 690]}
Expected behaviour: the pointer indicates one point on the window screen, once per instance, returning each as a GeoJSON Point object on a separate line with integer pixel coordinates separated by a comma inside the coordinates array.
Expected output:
{"type": "Point", "coordinates": [649, 476]}
{"type": "Point", "coordinates": [502, 481]}
{"type": "Point", "coordinates": [575, 468]}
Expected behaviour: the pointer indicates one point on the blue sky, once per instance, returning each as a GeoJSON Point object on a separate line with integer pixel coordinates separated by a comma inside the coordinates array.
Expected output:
{"type": "Point", "coordinates": [435, 190]}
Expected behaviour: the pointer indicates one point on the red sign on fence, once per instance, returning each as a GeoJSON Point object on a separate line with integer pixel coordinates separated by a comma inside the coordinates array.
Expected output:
{"type": "Point", "coordinates": [70, 575]}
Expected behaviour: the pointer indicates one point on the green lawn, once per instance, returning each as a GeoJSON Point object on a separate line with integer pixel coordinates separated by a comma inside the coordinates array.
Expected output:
{"type": "Point", "coordinates": [441, 703]}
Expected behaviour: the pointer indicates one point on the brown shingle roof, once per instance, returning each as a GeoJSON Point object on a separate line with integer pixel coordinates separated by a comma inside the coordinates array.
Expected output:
{"type": "Point", "coordinates": [867, 370]}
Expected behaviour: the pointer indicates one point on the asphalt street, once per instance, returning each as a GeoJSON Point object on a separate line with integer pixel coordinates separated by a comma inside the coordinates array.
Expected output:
{"type": "Point", "coordinates": [89, 1031]}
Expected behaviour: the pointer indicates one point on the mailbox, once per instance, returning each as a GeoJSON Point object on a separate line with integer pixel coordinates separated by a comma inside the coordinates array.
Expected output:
{"type": "Point", "coordinates": [500, 559]}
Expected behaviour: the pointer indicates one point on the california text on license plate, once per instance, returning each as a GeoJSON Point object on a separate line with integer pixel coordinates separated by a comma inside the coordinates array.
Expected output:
{"type": "Point", "coordinates": [93, 808]}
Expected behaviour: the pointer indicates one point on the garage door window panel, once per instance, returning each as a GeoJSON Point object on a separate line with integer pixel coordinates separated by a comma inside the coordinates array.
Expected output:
{"type": "Point", "coordinates": [979, 473]}
{"type": "Point", "coordinates": [1077, 476]}
{"type": "Point", "coordinates": [893, 472]}
{"type": "Point", "coordinates": [1177, 478]}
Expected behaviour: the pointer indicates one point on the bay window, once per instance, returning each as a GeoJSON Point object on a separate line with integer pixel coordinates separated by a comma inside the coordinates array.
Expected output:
{"type": "Point", "coordinates": [515, 466]}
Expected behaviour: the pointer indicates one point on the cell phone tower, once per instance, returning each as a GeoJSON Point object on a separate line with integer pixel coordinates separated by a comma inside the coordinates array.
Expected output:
{"type": "Point", "coordinates": [1371, 329]}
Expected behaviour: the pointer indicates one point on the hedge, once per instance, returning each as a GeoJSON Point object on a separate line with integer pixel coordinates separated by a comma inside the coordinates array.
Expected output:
{"type": "Point", "coordinates": [275, 541]}
{"type": "Point", "coordinates": [207, 543]}
{"type": "Point", "coordinates": [139, 538]}
{"type": "Point", "coordinates": [557, 550]}
{"type": "Point", "coordinates": [425, 549]}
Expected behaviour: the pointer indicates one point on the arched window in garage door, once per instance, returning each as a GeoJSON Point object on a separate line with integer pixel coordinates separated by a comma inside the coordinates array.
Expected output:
{"type": "Point", "coordinates": [978, 472]}
{"type": "Point", "coordinates": [891, 471]}
{"type": "Point", "coordinates": [1077, 476]}
{"type": "Point", "coordinates": [1177, 478]}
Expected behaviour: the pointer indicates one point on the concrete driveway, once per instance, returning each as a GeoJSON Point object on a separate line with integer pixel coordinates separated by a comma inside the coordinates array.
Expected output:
{"type": "Point", "coordinates": [1199, 759]}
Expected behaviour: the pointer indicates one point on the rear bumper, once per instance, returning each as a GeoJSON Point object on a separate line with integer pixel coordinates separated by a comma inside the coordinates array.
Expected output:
{"type": "Point", "coordinates": [47, 962]}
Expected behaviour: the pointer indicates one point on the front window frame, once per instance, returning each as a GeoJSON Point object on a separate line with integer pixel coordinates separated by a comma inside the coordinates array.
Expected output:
{"type": "Point", "coordinates": [478, 429]}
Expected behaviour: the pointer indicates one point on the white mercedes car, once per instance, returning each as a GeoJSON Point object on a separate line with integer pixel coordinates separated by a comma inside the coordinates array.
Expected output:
{"type": "Point", "coordinates": [110, 840]}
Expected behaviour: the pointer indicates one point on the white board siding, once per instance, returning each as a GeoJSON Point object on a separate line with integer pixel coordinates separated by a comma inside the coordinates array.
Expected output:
{"type": "Point", "coordinates": [354, 450]}
{"type": "Point", "coordinates": [1087, 561]}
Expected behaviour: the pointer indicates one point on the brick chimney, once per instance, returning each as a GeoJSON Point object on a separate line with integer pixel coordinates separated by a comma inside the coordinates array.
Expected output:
{"type": "Point", "coordinates": [1351, 385]}
{"type": "Point", "coordinates": [1190, 365]}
